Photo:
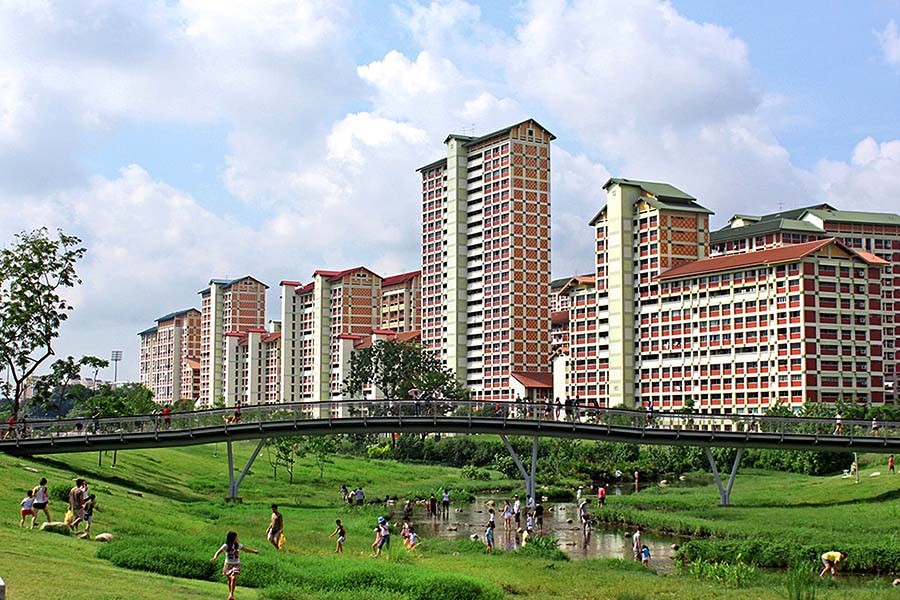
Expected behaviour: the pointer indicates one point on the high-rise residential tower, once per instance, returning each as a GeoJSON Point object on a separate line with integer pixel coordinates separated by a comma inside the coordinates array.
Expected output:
{"type": "Point", "coordinates": [486, 259]}
{"type": "Point", "coordinates": [227, 306]}
{"type": "Point", "coordinates": [169, 353]}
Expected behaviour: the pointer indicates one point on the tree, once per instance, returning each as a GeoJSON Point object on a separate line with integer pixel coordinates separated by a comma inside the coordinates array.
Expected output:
{"type": "Point", "coordinates": [119, 401]}
{"type": "Point", "coordinates": [397, 367]}
{"type": "Point", "coordinates": [282, 452]}
{"type": "Point", "coordinates": [51, 390]}
{"type": "Point", "coordinates": [321, 447]}
{"type": "Point", "coordinates": [34, 272]}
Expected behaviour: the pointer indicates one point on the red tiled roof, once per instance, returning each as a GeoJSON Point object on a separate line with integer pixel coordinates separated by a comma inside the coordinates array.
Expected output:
{"type": "Point", "coordinates": [255, 330]}
{"type": "Point", "coordinates": [236, 334]}
{"type": "Point", "coordinates": [383, 332]}
{"type": "Point", "coordinates": [349, 336]}
{"type": "Point", "coordinates": [578, 279]}
{"type": "Point", "coordinates": [193, 363]}
{"type": "Point", "coordinates": [559, 317]}
{"type": "Point", "coordinates": [336, 275]}
{"type": "Point", "coordinates": [871, 258]}
{"type": "Point", "coordinates": [271, 337]}
{"type": "Point", "coordinates": [305, 289]}
{"type": "Point", "coordinates": [781, 254]}
{"type": "Point", "coordinates": [403, 277]}
{"type": "Point", "coordinates": [366, 341]}
{"type": "Point", "coordinates": [533, 379]}
{"type": "Point", "coordinates": [291, 283]}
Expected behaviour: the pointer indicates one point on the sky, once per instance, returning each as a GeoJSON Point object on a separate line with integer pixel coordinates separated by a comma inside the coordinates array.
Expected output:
{"type": "Point", "coordinates": [198, 139]}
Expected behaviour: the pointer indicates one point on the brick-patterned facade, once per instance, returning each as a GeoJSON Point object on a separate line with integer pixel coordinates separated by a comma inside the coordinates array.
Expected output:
{"type": "Point", "coordinates": [486, 257]}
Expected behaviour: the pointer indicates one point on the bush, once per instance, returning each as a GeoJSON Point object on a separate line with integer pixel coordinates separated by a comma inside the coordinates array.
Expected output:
{"type": "Point", "coordinates": [156, 557]}
{"type": "Point", "coordinates": [546, 547]}
{"type": "Point", "coordinates": [477, 473]}
{"type": "Point", "coordinates": [379, 452]}
{"type": "Point", "coordinates": [735, 574]}
{"type": "Point", "coordinates": [59, 492]}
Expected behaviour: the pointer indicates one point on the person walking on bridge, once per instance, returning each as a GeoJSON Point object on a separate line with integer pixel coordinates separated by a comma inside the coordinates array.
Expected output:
{"type": "Point", "coordinates": [838, 427]}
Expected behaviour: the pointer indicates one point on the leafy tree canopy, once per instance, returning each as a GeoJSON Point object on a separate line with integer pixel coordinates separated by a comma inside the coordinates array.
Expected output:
{"type": "Point", "coordinates": [34, 273]}
{"type": "Point", "coordinates": [395, 368]}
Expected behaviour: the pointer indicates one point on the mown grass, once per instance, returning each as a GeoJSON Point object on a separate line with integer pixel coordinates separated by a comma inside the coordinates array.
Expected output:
{"type": "Point", "coordinates": [180, 519]}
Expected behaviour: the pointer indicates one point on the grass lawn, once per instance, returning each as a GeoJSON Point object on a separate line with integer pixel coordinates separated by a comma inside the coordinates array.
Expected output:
{"type": "Point", "coordinates": [180, 519]}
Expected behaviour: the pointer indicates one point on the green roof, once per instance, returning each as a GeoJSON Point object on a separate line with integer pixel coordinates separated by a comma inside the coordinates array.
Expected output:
{"type": "Point", "coordinates": [438, 163]}
{"type": "Point", "coordinates": [660, 190]}
{"type": "Point", "coordinates": [148, 330]}
{"type": "Point", "coordinates": [854, 216]}
{"type": "Point", "coordinates": [667, 197]}
{"type": "Point", "coordinates": [558, 283]}
{"type": "Point", "coordinates": [760, 227]}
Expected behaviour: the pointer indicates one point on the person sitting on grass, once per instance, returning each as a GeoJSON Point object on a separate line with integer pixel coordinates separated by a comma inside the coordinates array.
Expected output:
{"type": "Point", "coordinates": [341, 534]}
{"type": "Point", "coordinates": [232, 549]}
{"type": "Point", "coordinates": [831, 560]}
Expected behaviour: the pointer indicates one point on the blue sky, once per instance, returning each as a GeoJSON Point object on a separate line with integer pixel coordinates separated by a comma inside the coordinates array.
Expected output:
{"type": "Point", "coordinates": [213, 138]}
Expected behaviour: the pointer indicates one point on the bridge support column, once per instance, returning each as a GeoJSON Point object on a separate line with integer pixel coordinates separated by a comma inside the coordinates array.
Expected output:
{"type": "Point", "coordinates": [529, 477]}
{"type": "Point", "coordinates": [724, 492]}
{"type": "Point", "coordinates": [234, 484]}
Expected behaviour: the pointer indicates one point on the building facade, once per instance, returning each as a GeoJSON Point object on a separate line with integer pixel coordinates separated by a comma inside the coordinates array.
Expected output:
{"type": "Point", "coordinates": [486, 257]}
{"type": "Point", "coordinates": [168, 356]}
{"type": "Point", "coordinates": [666, 325]}
{"type": "Point", "coordinates": [875, 233]}
{"type": "Point", "coordinates": [227, 306]}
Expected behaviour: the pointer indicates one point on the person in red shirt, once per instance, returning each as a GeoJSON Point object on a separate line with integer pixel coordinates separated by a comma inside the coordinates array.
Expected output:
{"type": "Point", "coordinates": [11, 431]}
{"type": "Point", "coordinates": [167, 415]}
{"type": "Point", "coordinates": [891, 464]}
{"type": "Point", "coordinates": [601, 496]}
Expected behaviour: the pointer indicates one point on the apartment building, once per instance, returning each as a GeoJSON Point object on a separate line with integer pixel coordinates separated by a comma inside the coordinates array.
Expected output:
{"type": "Point", "coordinates": [672, 327]}
{"type": "Point", "coordinates": [227, 306]}
{"type": "Point", "coordinates": [875, 233]}
{"type": "Point", "coordinates": [486, 259]}
{"type": "Point", "coordinates": [401, 302]}
{"type": "Point", "coordinates": [168, 356]}
{"type": "Point", "coordinates": [253, 366]}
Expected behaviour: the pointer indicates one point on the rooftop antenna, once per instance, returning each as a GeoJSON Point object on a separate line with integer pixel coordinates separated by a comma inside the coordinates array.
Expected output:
{"type": "Point", "coordinates": [468, 130]}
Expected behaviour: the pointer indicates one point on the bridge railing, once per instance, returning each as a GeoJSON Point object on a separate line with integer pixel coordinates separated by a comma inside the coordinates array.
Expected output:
{"type": "Point", "coordinates": [502, 412]}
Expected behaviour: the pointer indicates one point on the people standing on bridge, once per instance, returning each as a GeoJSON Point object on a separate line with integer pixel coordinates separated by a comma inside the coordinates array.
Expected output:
{"type": "Point", "coordinates": [874, 427]}
{"type": "Point", "coordinates": [831, 560]}
{"type": "Point", "coordinates": [41, 499]}
{"type": "Point", "coordinates": [891, 464]}
{"type": "Point", "coordinates": [237, 414]}
{"type": "Point", "coordinates": [445, 505]}
{"type": "Point", "coordinates": [232, 549]}
{"type": "Point", "coordinates": [558, 408]}
{"type": "Point", "coordinates": [341, 534]}
{"type": "Point", "coordinates": [276, 527]}
{"type": "Point", "coordinates": [838, 427]}
{"type": "Point", "coordinates": [568, 408]}
{"type": "Point", "coordinates": [649, 414]}
{"type": "Point", "coordinates": [11, 429]}
{"type": "Point", "coordinates": [167, 416]}
{"type": "Point", "coordinates": [96, 419]}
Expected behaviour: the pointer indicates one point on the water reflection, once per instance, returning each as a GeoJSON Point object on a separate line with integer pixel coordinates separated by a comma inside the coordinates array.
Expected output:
{"type": "Point", "coordinates": [561, 520]}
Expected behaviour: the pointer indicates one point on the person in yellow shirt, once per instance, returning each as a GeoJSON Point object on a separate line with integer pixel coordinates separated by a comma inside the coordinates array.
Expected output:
{"type": "Point", "coordinates": [830, 560]}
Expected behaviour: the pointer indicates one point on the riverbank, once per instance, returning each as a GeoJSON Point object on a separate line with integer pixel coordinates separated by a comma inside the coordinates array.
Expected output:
{"type": "Point", "coordinates": [168, 532]}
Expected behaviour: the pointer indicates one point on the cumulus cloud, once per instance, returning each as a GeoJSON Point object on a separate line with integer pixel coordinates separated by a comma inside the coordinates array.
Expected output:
{"type": "Point", "coordinates": [890, 43]}
{"type": "Point", "coordinates": [870, 180]}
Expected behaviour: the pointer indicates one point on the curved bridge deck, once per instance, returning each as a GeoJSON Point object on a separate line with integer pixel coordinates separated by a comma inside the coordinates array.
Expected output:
{"type": "Point", "coordinates": [529, 419]}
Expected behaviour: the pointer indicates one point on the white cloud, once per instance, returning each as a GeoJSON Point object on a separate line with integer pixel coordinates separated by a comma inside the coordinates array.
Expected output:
{"type": "Point", "coordinates": [870, 180]}
{"type": "Point", "coordinates": [890, 43]}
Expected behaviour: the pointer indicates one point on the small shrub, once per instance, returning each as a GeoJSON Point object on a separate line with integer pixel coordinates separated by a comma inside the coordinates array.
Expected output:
{"type": "Point", "coordinates": [732, 575]}
{"type": "Point", "coordinates": [544, 547]}
{"type": "Point", "coordinates": [59, 492]}
{"type": "Point", "coordinates": [476, 473]}
{"type": "Point", "coordinates": [156, 557]}
{"type": "Point", "coordinates": [801, 583]}
{"type": "Point", "coordinates": [379, 452]}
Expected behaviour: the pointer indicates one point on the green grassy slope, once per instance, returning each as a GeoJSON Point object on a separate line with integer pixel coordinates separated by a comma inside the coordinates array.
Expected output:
{"type": "Point", "coordinates": [182, 508]}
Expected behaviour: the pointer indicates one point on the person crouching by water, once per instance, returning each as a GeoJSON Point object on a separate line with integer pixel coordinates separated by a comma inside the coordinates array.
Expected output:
{"type": "Point", "coordinates": [232, 549]}
{"type": "Point", "coordinates": [831, 560]}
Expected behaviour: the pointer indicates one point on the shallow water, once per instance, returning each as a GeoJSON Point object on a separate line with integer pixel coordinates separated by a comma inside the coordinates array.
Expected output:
{"type": "Point", "coordinates": [601, 542]}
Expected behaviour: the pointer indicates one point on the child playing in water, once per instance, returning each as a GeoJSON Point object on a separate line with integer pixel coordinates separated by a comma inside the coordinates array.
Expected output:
{"type": "Point", "coordinates": [411, 539]}
{"type": "Point", "coordinates": [232, 549]}
{"type": "Point", "coordinates": [645, 556]}
{"type": "Point", "coordinates": [341, 534]}
{"type": "Point", "coordinates": [489, 538]}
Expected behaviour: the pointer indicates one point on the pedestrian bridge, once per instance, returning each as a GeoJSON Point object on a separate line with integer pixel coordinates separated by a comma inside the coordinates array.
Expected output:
{"type": "Point", "coordinates": [453, 416]}
{"type": "Point", "coordinates": [461, 417]}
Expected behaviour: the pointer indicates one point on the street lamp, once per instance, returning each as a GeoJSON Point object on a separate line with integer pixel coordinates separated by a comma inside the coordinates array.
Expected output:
{"type": "Point", "coordinates": [116, 357]}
